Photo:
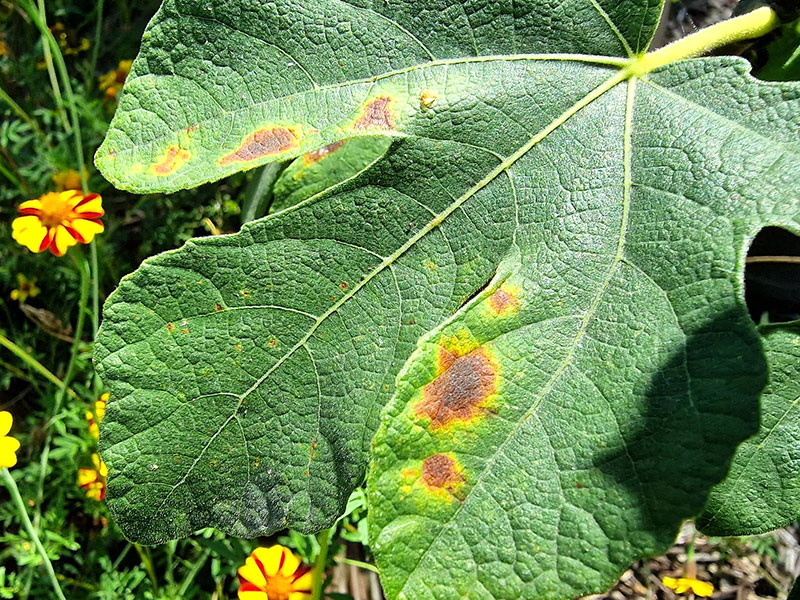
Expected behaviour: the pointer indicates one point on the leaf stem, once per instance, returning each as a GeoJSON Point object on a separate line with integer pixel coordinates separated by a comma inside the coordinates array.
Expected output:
{"type": "Point", "coordinates": [23, 515]}
{"type": "Point", "coordinates": [748, 26]}
{"type": "Point", "coordinates": [788, 260]}
{"type": "Point", "coordinates": [360, 564]}
{"type": "Point", "coordinates": [147, 561]}
{"type": "Point", "coordinates": [319, 569]}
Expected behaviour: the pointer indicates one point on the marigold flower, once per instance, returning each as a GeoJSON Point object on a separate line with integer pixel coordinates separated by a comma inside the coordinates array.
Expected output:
{"type": "Point", "coordinates": [99, 413]}
{"type": "Point", "coordinates": [27, 289]}
{"type": "Point", "coordinates": [274, 573]}
{"type": "Point", "coordinates": [93, 481]}
{"type": "Point", "coordinates": [57, 221]}
{"type": "Point", "coordinates": [111, 83]}
{"type": "Point", "coordinates": [8, 445]}
{"type": "Point", "coordinates": [685, 584]}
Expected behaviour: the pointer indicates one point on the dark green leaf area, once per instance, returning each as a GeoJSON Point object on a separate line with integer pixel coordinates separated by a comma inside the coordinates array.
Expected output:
{"type": "Point", "coordinates": [762, 489]}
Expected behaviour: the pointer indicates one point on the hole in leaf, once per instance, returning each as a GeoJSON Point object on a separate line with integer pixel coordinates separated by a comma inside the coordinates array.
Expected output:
{"type": "Point", "coordinates": [772, 276]}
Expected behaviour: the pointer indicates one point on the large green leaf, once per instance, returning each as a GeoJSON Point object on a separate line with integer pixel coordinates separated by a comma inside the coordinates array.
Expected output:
{"type": "Point", "coordinates": [762, 489]}
{"type": "Point", "coordinates": [566, 240]}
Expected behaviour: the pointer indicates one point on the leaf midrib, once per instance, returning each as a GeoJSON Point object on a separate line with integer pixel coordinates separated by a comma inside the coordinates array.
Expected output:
{"type": "Point", "coordinates": [590, 311]}
{"type": "Point", "coordinates": [599, 91]}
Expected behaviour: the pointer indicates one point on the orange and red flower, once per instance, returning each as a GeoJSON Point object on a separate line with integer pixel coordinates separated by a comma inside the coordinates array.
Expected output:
{"type": "Point", "coordinates": [58, 220]}
{"type": "Point", "coordinates": [274, 573]}
{"type": "Point", "coordinates": [94, 418]}
{"type": "Point", "coordinates": [93, 481]}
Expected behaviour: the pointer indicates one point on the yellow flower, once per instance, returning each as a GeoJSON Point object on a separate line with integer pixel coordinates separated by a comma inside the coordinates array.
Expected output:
{"type": "Point", "coordinates": [57, 221]}
{"type": "Point", "coordinates": [27, 289]}
{"type": "Point", "coordinates": [99, 412]}
{"type": "Point", "coordinates": [93, 481]}
{"type": "Point", "coordinates": [8, 445]}
{"type": "Point", "coordinates": [111, 83]}
{"type": "Point", "coordinates": [685, 584]}
{"type": "Point", "coordinates": [68, 180]}
{"type": "Point", "coordinates": [68, 41]}
{"type": "Point", "coordinates": [3, 48]}
{"type": "Point", "coordinates": [274, 573]}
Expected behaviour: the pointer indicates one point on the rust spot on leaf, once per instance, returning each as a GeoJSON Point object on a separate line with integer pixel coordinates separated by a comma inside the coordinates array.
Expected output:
{"type": "Point", "coordinates": [318, 155]}
{"type": "Point", "coordinates": [219, 307]}
{"type": "Point", "coordinates": [272, 342]}
{"type": "Point", "coordinates": [173, 159]}
{"type": "Point", "coordinates": [376, 115]}
{"type": "Point", "coordinates": [441, 472]}
{"type": "Point", "coordinates": [505, 300]}
{"type": "Point", "coordinates": [263, 142]}
{"type": "Point", "coordinates": [461, 390]}
{"type": "Point", "coordinates": [171, 326]}
{"type": "Point", "coordinates": [428, 98]}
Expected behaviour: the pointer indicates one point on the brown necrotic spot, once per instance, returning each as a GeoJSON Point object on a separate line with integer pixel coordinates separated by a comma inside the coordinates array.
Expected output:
{"type": "Point", "coordinates": [172, 161]}
{"type": "Point", "coordinates": [263, 142]}
{"type": "Point", "coordinates": [377, 115]}
{"type": "Point", "coordinates": [461, 390]}
{"type": "Point", "coordinates": [318, 155]}
{"type": "Point", "coordinates": [502, 302]}
{"type": "Point", "coordinates": [441, 473]}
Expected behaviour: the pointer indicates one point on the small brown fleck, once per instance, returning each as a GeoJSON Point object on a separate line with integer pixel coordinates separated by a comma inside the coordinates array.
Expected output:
{"type": "Point", "coordinates": [238, 347]}
{"type": "Point", "coordinates": [461, 389]}
{"type": "Point", "coordinates": [245, 293]}
{"type": "Point", "coordinates": [219, 307]}
{"type": "Point", "coordinates": [376, 115]}
{"type": "Point", "coordinates": [343, 286]}
{"type": "Point", "coordinates": [318, 155]}
{"type": "Point", "coordinates": [173, 159]}
{"type": "Point", "coordinates": [184, 330]}
{"type": "Point", "coordinates": [441, 472]}
{"type": "Point", "coordinates": [273, 342]}
{"type": "Point", "coordinates": [333, 298]}
{"type": "Point", "coordinates": [171, 326]}
{"type": "Point", "coordinates": [262, 143]}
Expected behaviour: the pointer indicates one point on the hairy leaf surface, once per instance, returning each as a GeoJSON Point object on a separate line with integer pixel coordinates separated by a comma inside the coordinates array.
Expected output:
{"type": "Point", "coordinates": [762, 489]}
{"type": "Point", "coordinates": [556, 244]}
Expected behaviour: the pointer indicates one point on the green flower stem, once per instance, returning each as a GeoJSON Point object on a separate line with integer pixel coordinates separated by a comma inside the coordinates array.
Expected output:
{"type": "Point", "coordinates": [83, 268]}
{"type": "Point", "coordinates": [98, 34]}
{"type": "Point", "coordinates": [39, 19]}
{"type": "Point", "coordinates": [147, 561]}
{"type": "Point", "coordinates": [184, 589]}
{"type": "Point", "coordinates": [48, 59]}
{"type": "Point", "coordinates": [322, 559]}
{"type": "Point", "coordinates": [35, 365]}
{"type": "Point", "coordinates": [360, 564]}
{"type": "Point", "coordinates": [23, 515]}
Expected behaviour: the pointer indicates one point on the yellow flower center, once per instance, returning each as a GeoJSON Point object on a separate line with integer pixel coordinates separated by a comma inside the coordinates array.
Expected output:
{"type": "Point", "coordinates": [278, 587]}
{"type": "Point", "coordinates": [54, 210]}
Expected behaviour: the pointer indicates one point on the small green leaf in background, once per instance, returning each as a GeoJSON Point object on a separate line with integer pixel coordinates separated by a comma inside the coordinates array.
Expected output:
{"type": "Point", "coordinates": [783, 55]}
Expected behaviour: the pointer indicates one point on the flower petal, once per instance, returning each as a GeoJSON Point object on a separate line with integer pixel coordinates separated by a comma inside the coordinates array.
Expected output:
{"type": "Point", "coordinates": [8, 449]}
{"type": "Point", "coordinates": [61, 241]}
{"type": "Point", "coordinates": [92, 203]}
{"type": "Point", "coordinates": [86, 229]}
{"type": "Point", "coordinates": [31, 205]}
{"type": "Point", "coordinates": [270, 558]}
{"type": "Point", "coordinates": [304, 582]}
{"type": "Point", "coordinates": [86, 476]}
{"type": "Point", "coordinates": [252, 595]}
{"type": "Point", "coordinates": [252, 573]}
{"type": "Point", "coordinates": [290, 564]}
{"type": "Point", "coordinates": [299, 596]}
{"type": "Point", "coordinates": [29, 232]}
{"type": "Point", "coordinates": [5, 422]}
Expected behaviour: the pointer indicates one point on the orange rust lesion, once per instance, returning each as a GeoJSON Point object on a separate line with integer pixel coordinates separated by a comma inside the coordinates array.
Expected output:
{"type": "Point", "coordinates": [318, 155]}
{"type": "Point", "coordinates": [263, 142]}
{"type": "Point", "coordinates": [442, 475]}
{"type": "Point", "coordinates": [377, 114]}
{"type": "Point", "coordinates": [505, 301]}
{"type": "Point", "coordinates": [173, 159]}
{"type": "Point", "coordinates": [463, 389]}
